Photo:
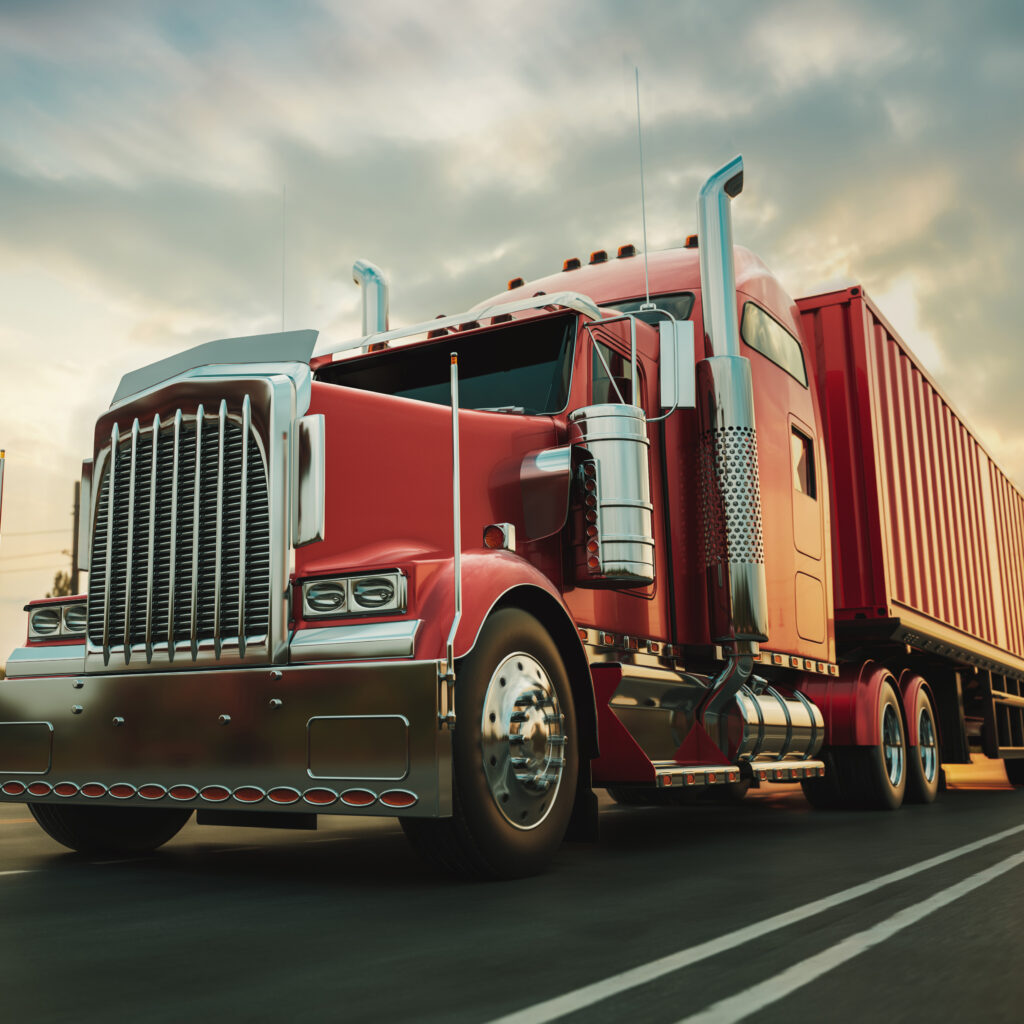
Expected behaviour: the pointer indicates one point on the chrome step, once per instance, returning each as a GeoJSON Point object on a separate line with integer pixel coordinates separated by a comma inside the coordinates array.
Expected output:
{"type": "Point", "coordinates": [669, 774]}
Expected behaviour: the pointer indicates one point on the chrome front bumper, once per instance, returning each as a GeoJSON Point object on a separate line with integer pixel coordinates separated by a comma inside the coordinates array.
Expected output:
{"type": "Point", "coordinates": [351, 738]}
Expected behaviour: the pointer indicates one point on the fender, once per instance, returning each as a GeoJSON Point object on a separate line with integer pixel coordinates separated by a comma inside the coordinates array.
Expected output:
{"type": "Point", "coordinates": [493, 579]}
{"type": "Point", "coordinates": [849, 704]}
{"type": "Point", "coordinates": [910, 685]}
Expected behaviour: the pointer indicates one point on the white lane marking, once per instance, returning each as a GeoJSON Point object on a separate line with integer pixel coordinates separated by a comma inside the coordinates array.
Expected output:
{"type": "Point", "coordinates": [755, 998]}
{"type": "Point", "coordinates": [23, 871]}
{"type": "Point", "coordinates": [551, 1009]}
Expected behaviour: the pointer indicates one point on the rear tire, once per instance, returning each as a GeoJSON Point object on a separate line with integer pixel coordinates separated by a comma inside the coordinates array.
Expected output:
{"type": "Point", "coordinates": [923, 763]}
{"type": "Point", "coordinates": [114, 830]}
{"type": "Point", "coordinates": [515, 759]}
{"type": "Point", "coordinates": [875, 777]}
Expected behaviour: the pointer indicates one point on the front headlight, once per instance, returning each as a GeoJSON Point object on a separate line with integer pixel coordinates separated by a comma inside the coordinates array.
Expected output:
{"type": "Point", "coordinates": [377, 594]}
{"type": "Point", "coordinates": [56, 621]}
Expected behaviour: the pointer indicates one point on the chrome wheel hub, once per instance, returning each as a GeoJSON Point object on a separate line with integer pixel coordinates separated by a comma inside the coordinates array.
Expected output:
{"type": "Point", "coordinates": [927, 746]}
{"type": "Point", "coordinates": [523, 740]}
{"type": "Point", "coordinates": [892, 744]}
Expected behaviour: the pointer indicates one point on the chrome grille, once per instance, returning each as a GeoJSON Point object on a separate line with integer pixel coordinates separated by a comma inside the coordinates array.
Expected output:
{"type": "Point", "coordinates": [181, 539]}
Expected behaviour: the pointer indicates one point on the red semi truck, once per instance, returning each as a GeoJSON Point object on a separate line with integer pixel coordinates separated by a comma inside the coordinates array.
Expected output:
{"type": "Point", "coordinates": [646, 525]}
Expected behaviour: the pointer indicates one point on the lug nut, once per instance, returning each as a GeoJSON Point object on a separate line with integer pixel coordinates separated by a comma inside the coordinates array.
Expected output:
{"type": "Point", "coordinates": [76, 709]}
{"type": "Point", "coordinates": [117, 720]}
{"type": "Point", "coordinates": [224, 719]}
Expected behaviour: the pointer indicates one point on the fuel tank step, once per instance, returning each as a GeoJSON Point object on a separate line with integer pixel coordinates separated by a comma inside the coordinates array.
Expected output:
{"type": "Point", "coordinates": [670, 774]}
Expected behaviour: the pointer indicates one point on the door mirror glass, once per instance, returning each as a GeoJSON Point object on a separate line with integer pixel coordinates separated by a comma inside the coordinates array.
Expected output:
{"type": "Point", "coordinates": [678, 380]}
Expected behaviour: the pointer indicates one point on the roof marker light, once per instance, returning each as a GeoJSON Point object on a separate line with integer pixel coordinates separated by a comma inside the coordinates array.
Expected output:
{"type": "Point", "coordinates": [599, 256]}
{"type": "Point", "coordinates": [516, 282]}
{"type": "Point", "coordinates": [691, 242]}
{"type": "Point", "coordinates": [572, 263]}
{"type": "Point", "coordinates": [625, 251]}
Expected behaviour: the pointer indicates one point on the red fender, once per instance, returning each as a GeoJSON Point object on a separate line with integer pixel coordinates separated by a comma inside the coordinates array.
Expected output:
{"type": "Point", "coordinates": [849, 703]}
{"type": "Point", "coordinates": [486, 577]}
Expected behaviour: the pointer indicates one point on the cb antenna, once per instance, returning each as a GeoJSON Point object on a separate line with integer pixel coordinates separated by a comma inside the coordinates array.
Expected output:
{"type": "Point", "coordinates": [643, 201]}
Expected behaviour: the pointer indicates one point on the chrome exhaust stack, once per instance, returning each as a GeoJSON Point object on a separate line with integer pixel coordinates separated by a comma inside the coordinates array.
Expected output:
{"type": "Point", "coordinates": [730, 485]}
{"type": "Point", "coordinates": [375, 296]}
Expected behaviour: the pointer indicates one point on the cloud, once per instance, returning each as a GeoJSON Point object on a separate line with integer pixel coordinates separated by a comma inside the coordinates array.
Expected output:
{"type": "Point", "coordinates": [145, 145]}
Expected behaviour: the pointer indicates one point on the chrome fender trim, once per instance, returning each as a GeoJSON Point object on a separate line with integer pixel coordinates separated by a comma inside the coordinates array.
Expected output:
{"type": "Point", "coordinates": [364, 641]}
{"type": "Point", "coordinates": [59, 660]}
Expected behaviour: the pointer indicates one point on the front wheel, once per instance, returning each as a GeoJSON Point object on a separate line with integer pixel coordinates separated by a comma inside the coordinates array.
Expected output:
{"type": "Point", "coordinates": [114, 830]}
{"type": "Point", "coordinates": [515, 758]}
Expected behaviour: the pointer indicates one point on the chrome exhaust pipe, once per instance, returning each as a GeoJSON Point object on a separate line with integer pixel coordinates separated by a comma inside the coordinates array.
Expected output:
{"type": "Point", "coordinates": [729, 477]}
{"type": "Point", "coordinates": [375, 296]}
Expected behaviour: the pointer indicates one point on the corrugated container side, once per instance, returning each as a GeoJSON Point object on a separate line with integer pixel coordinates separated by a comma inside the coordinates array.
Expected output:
{"type": "Point", "coordinates": [924, 521]}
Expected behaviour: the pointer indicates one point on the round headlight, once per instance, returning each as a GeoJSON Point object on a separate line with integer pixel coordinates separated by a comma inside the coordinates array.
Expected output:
{"type": "Point", "coordinates": [74, 618]}
{"type": "Point", "coordinates": [45, 621]}
{"type": "Point", "coordinates": [324, 598]}
{"type": "Point", "coordinates": [373, 592]}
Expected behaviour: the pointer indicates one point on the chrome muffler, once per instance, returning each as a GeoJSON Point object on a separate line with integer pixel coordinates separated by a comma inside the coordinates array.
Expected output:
{"type": "Point", "coordinates": [770, 727]}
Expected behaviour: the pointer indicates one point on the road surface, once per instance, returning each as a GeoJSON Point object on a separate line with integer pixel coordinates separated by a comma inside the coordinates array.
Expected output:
{"type": "Point", "coordinates": [764, 909]}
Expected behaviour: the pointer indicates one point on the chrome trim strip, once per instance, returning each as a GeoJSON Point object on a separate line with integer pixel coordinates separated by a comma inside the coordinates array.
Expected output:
{"type": "Point", "coordinates": [218, 530]}
{"type": "Point", "coordinates": [456, 521]}
{"type": "Point", "coordinates": [243, 520]}
{"type": "Point", "coordinates": [152, 537]}
{"type": "Point", "coordinates": [366, 640]}
{"type": "Point", "coordinates": [130, 546]}
{"type": "Point", "coordinates": [174, 536]}
{"type": "Point", "coordinates": [114, 438]}
{"type": "Point", "coordinates": [84, 514]}
{"type": "Point", "coordinates": [196, 485]}
{"type": "Point", "coordinates": [669, 772]}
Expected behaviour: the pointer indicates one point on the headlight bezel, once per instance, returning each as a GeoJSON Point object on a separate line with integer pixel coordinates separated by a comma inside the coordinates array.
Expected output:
{"type": "Point", "coordinates": [56, 612]}
{"type": "Point", "coordinates": [353, 607]}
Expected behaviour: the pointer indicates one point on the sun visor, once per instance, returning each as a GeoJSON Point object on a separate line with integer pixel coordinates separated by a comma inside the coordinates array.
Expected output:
{"type": "Point", "coordinates": [284, 347]}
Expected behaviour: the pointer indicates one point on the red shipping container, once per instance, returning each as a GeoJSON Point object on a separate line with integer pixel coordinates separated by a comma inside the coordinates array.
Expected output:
{"type": "Point", "coordinates": [926, 528]}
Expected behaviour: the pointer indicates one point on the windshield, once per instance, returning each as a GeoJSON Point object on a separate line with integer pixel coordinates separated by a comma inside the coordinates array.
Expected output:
{"type": "Point", "coordinates": [679, 305]}
{"type": "Point", "coordinates": [522, 367]}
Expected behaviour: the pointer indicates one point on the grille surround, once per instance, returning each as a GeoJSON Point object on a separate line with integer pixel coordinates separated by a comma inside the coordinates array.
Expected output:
{"type": "Point", "coordinates": [182, 558]}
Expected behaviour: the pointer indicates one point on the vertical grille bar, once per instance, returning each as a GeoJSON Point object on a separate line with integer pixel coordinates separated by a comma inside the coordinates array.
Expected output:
{"type": "Point", "coordinates": [112, 476]}
{"type": "Point", "coordinates": [222, 417]}
{"type": "Point", "coordinates": [246, 427]}
{"type": "Point", "coordinates": [196, 501]}
{"type": "Point", "coordinates": [130, 548]}
{"type": "Point", "coordinates": [174, 536]}
{"type": "Point", "coordinates": [152, 538]}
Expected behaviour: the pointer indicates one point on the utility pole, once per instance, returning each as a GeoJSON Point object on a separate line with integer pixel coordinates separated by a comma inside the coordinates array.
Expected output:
{"type": "Point", "coordinates": [74, 537]}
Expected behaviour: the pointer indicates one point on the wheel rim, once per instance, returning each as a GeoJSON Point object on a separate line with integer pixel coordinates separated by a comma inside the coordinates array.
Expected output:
{"type": "Point", "coordinates": [892, 744]}
{"type": "Point", "coordinates": [523, 740]}
{"type": "Point", "coordinates": [927, 746]}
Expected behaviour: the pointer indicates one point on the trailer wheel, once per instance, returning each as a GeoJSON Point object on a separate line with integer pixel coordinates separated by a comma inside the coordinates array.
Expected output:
{"type": "Point", "coordinates": [923, 765]}
{"type": "Point", "coordinates": [1015, 771]}
{"type": "Point", "coordinates": [109, 829]}
{"type": "Point", "coordinates": [515, 758]}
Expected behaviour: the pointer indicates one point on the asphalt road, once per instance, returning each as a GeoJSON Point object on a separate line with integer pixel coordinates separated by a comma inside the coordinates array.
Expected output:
{"type": "Point", "coordinates": [344, 924]}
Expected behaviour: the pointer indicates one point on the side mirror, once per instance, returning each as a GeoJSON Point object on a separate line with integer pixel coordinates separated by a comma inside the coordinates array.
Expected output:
{"type": "Point", "coordinates": [678, 383]}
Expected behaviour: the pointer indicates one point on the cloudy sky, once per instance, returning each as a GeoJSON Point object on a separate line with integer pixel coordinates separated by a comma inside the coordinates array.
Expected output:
{"type": "Point", "coordinates": [144, 147]}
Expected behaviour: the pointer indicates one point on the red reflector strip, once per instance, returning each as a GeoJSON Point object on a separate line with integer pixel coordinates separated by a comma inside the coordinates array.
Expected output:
{"type": "Point", "coordinates": [398, 798]}
{"type": "Point", "coordinates": [360, 798]}
{"type": "Point", "coordinates": [183, 792]}
{"type": "Point", "coordinates": [94, 789]}
{"type": "Point", "coordinates": [320, 797]}
{"type": "Point", "coordinates": [12, 788]}
{"type": "Point", "coordinates": [65, 789]}
{"type": "Point", "coordinates": [39, 788]}
{"type": "Point", "coordinates": [122, 790]}
{"type": "Point", "coordinates": [248, 795]}
{"type": "Point", "coordinates": [284, 795]}
{"type": "Point", "coordinates": [151, 791]}
{"type": "Point", "coordinates": [215, 794]}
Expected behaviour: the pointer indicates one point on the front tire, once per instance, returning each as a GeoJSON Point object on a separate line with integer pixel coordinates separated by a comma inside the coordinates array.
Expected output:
{"type": "Point", "coordinates": [116, 830]}
{"type": "Point", "coordinates": [515, 758]}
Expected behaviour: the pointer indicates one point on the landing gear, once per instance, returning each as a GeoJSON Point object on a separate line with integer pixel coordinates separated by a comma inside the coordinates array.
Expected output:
{"type": "Point", "coordinates": [1015, 771]}
{"type": "Point", "coordinates": [515, 756]}
{"type": "Point", "coordinates": [114, 830]}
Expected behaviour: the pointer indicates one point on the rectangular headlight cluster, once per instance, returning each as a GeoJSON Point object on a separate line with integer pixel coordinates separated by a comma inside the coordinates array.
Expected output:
{"type": "Point", "coordinates": [382, 593]}
{"type": "Point", "coordinates": [56, 621]}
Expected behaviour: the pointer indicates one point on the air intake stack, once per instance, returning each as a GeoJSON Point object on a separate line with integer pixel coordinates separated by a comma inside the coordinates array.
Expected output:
{"type": "Point", "coordinates": [375, 296]}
